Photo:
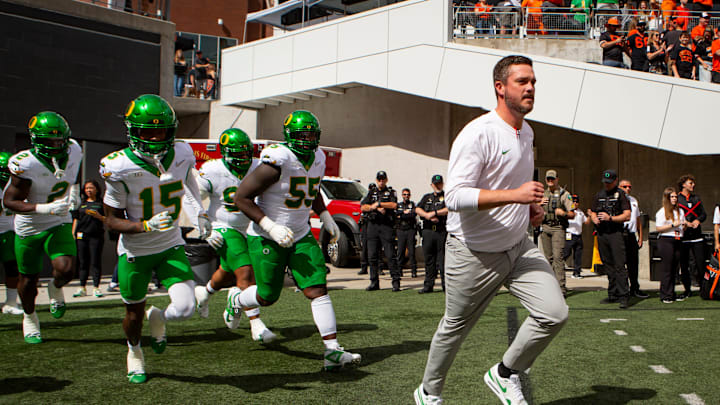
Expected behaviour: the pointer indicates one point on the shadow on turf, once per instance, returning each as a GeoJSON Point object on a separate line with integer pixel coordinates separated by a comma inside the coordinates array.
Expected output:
{"type": "Point", "coordinates": [607, 395]}
{"type": "Point", "coordinates": [256, 383]}
{"type": "Point", "coordinates": [36, 384]}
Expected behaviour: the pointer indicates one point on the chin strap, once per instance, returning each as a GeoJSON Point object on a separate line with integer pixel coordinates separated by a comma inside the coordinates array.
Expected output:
{"type": "Point", "coordinates": [58, 171]}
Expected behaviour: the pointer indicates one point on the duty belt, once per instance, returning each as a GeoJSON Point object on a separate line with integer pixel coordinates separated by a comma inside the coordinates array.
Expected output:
{"type": "Point", "coordinates": [551, 223]}
{"type": "Point", "coordinates": [437, 228]}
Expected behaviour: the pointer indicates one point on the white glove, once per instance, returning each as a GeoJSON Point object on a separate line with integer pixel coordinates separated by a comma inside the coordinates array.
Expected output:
{"type": "Point", "coordinates": [280, 234]}
{"type": "Point", "coordinates": [74, 197]}
{"type": "Point", "coordinates": [204, 226]}
{"type": "Point", "coordinates": [215, 240]}
{"type": "Point", "coordinates": [159, 222]}
{"type": "Point", "coordinates": [58, 207]}
{"type": "Point", "coordinates": [330, 226]}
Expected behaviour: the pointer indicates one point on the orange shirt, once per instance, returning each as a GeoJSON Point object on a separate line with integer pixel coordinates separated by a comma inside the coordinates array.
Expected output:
{"type": "Point", "coordinates": [682, 14]}
{"type": "Point", "coordinates": [716, 59]}
{"type": "Point", "coordinates": [698, 31]}
{"type": "Point", "coordinates": [534, 6]}
{"type": "Point", "coordinates": [482, 8]}
{"type": "Point", "coordinates": [708, 3]}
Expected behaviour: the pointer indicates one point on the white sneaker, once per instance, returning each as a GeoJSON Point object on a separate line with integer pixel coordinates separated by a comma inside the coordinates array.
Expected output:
{"type": "Point", "coordinates": [136, 366]}
{"type": "Point", "coordinates": [12, 310]}
{"type": "Point", "coordinates": [508, 390]}
{"type": "Point", "coordinates": [260, 332]}
{"type": "Point", "coordinates": [202, 296]}
{"type": "Point", "coordinates": [421, 398]}
{"type": "Point", "coordinates": [31, 328]}
{"type": "Point", "coordinates": [336, 358]}
{"type": "Point", "coordinates": [231, 321]}
{"type": "Point", "coordinates": [156, 319]}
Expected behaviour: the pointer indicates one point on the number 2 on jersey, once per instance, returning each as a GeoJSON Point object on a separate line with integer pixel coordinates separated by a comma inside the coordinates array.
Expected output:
{"type": "Point", "coordinates": [299, 194]}
{"type": "Point", "coordinates": [146, 196]}
{"type": "Point", "coordinates": [58, 191]}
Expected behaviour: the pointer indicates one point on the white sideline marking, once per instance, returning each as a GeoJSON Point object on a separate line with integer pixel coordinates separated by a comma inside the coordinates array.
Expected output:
{"type": "Point", "coordinates": [637, 349]}
{"type": "Point", "coordinates": [692, 399]}
{"type": "Point", "coordinates": [608, 320]}
{"type": "Point", "coordinates": [660, 370]}
{"type": "Point", "coordinates": [620, 332]}
{"type": "Point", "coordinates": [691, 319]}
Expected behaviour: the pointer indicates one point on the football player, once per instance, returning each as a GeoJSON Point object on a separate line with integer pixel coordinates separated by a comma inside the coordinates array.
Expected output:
{"type": "Point", "coordinates": [278, 196]}
{"type": "Point", "coordinates": [219, 179]}
{"type": "Point", "coordinates": [43, 188]}
{"type": "Point", "coordinates": [145, 184]}
{"type": "Point", "coordinates": [7, 245]}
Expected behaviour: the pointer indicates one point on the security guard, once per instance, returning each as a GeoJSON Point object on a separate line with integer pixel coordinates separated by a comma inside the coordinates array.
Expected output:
{"type": "Point", "coordinates": [380, 205]}
{"type": "Point", "coordinates": [433, 211]}
{"type": "Point", "coordinates": [363, 223]}
{"type": "Point", "coordinates": [406, 230]}
{"type": "Point", "coordinates": [557, 204]}
{"type": "Point", "coordinates": [610, 209]}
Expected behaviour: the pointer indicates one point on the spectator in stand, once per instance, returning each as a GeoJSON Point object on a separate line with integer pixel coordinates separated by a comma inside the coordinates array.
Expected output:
{"type": "Point", "coordinates": [682, 58]}
{"type": "Point", "coordinates": [656, 54]}
{"type": "Point", "coordinates": [715, 51]}
{"type": "Point", "coordinates": [534, 23]}
{"type": "Point", "coordinates": [573, 240]}
{"type": "Point", "coordinates": [199, 72]}
{"type": "Point", "coordinates": [671, 38]}
{"type": "Point", "coordinates": [483, 22]}
{"type": "Point", "coordinates": [632, 233]}
{"type": "Point", "coordinates": [180, 70]}
{"type": "Point", "coordinates": [656, 22]}
{"type": "Point", "coordinates": [507, 23]}
{"type": "Point", "coordinates": [626, 15]}
{"type": "Point", "coordinates": [89, 234]}
{"type": "Point", "coordinates": [612, 44]}
{"type": "Point", "coordinates": [703, 54]}
{"type": "Point", "coordinates": [692, 241]}
{"type": "Point", "coordinates": [682, 14]}
{"type": "Point", "coordinates": [608, 5]}
{"type": "Point", "coordinates": [699, 30]}
{"type": "Point", "coordinates": [637, 43]}
{"type": "Point", "coordinates": [669, 224]}
{"type": "Point", "coordinates": [552, 10]}
{"type": "Point", "coordinates": [211, 82]}
{"type": "Point", "coordinates": [667, 7]}
{"type": "Point", "coordinates": [581, 11]}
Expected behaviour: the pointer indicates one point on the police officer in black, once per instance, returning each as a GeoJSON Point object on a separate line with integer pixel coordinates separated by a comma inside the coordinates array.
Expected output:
{"type": "Point", "coordinates": [380, 205]}
{"type": "Point", "coordinates": [610, 209]}
{"type": "Point", "coordinates": [433, 212]}
{"type": "Point", "coordinates": [406, 230]}
{"type": "Point", "coordinates": [363, 236]}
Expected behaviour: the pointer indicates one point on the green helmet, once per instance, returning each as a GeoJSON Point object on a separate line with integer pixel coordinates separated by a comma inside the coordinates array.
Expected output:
{"type": "Point", "coordinates": [150, 112]}
{"type": "Point", "coordinates": [49, 134]}
{"type": "Point", "coordinates": [302, 132]}
{"type": "Point", "coordinates": [237, 149]}
{"type": "Point", "coordinates": [4, 171]}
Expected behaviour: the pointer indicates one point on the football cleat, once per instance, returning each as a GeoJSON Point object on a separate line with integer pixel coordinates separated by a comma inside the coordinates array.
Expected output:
{"type": "Point", "coordinates": [421, 398]}
{"type": "Point", "coordinates": [136, 366]}
{"type": "Point", "coordinates": [80, 292]}
{"type": "Point", "coordinates": [57, 309]}
{"type": "Point", "coordinates": [231, 321]}
{"type": "Point", "coordinates": [57, 300]}
{"type": "Point", "coordinates": [202, 297]}
{"type": "Point", "coordinates": [233, 301]}
{"type": "Point", "coordinates": [508, 390]}
{"type": "Point", "coordinates": [336, 358]}
{"type": "Point", "coordinates": [31, 329]}
{"type": "Point", "coordinates": [260, 332]}
{"type": "Point", "coordinates": [157, 329]}
{"type": "Point", "coordinates": [12, 310]}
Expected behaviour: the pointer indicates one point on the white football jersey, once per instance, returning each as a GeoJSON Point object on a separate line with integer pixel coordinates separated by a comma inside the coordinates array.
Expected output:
{"type": "Point", "coordinates": [45, 187]}
{"type": "Point", "coordinates": [134, 185]}
{"type": "Point", "coordinates": [6, 217]}
{"type": "Point", "coordinates": [288, 202]}
{"type": "Point", "coordinates": [217, 180]}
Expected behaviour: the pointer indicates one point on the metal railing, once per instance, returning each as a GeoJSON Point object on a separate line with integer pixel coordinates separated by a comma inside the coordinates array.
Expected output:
{"type": "Point", "coordinates": [489, 25]}
{"type": "Point", "coordinates": [556, 24]}
{"type": "Point", "coordinates": [156, 9]}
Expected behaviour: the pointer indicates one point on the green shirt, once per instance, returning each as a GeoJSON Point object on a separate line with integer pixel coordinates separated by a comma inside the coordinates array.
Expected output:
{"type": "Point", "coordinates": [581, 10]}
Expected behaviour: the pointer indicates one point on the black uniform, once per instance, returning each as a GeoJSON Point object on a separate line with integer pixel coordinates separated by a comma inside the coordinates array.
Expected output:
{"type": "Point", "coordinates": [692, 240]}
{"type": "Point", "coordinates": [380, 231]}
{"type": "Point", "coordinates": [363, 243]}
{"type": "Point", "coordinates": [406, 230]}
{"type": "Point", "coordinates": [433, 240]}
{"type": "Point", "coordinates": [611, 244]}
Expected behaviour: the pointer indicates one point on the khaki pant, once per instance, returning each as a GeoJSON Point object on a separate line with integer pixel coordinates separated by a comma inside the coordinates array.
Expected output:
{"type": "Point", "coordinates": [553, 242]}
{"type": "Point", "coordinates": [472, 280]}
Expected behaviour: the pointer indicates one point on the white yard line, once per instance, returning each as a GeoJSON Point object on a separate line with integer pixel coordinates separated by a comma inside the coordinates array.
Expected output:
{"type": "Point", "coordinates": [638, 349]}
{"type": "Point", "coordinates": [691, 319]}
{"type": "Point", "coordinates": [692, 399]}
{"type": "Point", "coordinates": [620, 332]}
{"type": "Point", "coordinates": [608, 320]}
{"type": "Point", "coordinates": [660, 370]}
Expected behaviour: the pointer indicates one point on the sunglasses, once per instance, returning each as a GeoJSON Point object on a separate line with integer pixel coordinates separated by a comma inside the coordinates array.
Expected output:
{"type": "Point", "coordinates": [625, 186]}
{"type": "Point", "coordinates": [406, 194]}
{"type": "Point", "coordinates": [550, 178]}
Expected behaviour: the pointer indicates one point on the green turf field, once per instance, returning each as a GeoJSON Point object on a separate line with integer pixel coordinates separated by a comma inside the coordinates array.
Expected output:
{"type": "Point", "coordinates": [83, 358]}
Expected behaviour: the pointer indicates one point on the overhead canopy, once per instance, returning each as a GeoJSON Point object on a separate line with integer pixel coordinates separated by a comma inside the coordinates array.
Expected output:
{"type": "Point", "coordinates": [288, 15]}
{"type": "Point", "coordinates": [273, 15]}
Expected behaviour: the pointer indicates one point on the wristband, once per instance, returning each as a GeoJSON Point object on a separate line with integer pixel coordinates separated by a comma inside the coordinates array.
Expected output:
{"type": "Point", "coordinates": [145, 226]}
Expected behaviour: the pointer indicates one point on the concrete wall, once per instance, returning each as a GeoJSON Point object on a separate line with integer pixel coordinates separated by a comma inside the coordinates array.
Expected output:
{"type": "Point", "coordinates": [223, 117]}
{"type": "Point", "coordinates": [202, 17]}
{"type": "Point", "coordinates": [580, 50]}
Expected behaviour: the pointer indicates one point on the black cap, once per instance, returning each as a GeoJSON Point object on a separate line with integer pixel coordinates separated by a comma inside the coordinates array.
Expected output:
{"type": "Point", "coordinates": [381, 175]}
{"type": "Point", "coordinates": [372, 185]}
{"type": "Point", "coordinates": [436, 179]}
{"type": "Point", "coordinates": [609, 176]}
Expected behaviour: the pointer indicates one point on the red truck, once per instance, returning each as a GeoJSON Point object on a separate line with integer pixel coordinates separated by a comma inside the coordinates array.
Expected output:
{"type": "Point", "coordinates": [341, 196]}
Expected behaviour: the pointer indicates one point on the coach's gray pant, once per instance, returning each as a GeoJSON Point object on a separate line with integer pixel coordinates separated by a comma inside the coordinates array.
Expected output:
{"type": "Point", "coordinates": [472, 279]}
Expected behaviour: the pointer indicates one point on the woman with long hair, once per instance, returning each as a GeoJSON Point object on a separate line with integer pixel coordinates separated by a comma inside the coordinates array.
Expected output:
{"type": "Point", "coordinates": [669, 222]}
{"type": "Point", "coordinates": [90, 235]}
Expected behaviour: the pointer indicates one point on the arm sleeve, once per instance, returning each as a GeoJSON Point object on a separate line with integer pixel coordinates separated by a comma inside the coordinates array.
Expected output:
{"type": "Point", "coordinates": [467, 162]}
{"type": "Point", "coordinates": [115, 194]}
{"type": "Point", "coordinates": [193, 194]}
{"type": "Point", "coordinates": [716, 216]}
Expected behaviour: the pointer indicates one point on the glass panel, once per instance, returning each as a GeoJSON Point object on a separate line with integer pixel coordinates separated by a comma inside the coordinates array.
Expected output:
{"type": "Point", "coordinates": [190, 53]}
{"type": "Point", "coordinates": [208, 45]}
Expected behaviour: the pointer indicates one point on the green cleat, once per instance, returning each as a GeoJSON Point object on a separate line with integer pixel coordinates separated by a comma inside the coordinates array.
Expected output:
{"type": "Point", "coordinates": [136, 377]}
{"type": "Point", "coordinates": [31, 329]}
{"type": "Point", "coordinates": [158, 346]}
{"type": "Point", "coordinates": [57, 309]}
{"type": "Point", "coordinates": [33, 339]}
